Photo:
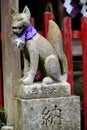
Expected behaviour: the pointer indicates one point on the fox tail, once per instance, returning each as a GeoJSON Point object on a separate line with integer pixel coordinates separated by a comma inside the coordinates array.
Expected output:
{"type": "Point", "coordinates": [56, 40]}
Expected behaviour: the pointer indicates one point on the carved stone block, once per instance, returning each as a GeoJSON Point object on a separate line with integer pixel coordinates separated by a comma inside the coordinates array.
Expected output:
{"type": "Point", "coordinates": [40, 90]}
{"type": "Point", "coordinates": [47, 113]}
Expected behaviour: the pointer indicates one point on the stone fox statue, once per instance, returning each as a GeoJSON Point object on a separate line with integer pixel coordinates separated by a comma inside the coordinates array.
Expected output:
{"type": "Point", "coordinates": [49, 52]}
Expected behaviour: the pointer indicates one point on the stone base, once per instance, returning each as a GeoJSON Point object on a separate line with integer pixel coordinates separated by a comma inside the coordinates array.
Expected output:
{"type": "Point", "coordinates": [7, 128]}
{"type": "Point", "coordinates": [40, 90]}
{"type": "Point", "coordinates": [47, 113]}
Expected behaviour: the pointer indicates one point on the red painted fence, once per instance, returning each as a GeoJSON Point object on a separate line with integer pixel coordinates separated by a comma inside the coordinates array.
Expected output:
{"type": "Point", "coordinates": [68, 35]}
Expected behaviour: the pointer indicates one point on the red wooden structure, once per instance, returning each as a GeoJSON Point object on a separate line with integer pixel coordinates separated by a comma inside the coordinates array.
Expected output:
{"type": "Point", "coordinates": [68, 35]}
{"type": "Point", "coordinates": [84, 49]}
{"type": "Point", "coordinates": [68, 50]}
{"type": "Point", "coordinates": [82, 34]}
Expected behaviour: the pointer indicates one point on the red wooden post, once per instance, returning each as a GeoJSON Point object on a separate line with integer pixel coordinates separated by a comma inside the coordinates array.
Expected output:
{"type": "Point", "coordinates": [84, 50]}
{"type": "Point", "coordinates": [47, 16]}
{"type": "Point", "coordinates": [68, 49]}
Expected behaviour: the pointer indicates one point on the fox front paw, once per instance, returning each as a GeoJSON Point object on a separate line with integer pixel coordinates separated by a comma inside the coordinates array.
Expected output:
{"type": "Point", "coordinates": [48, 80]}
{"type": "Point", "coordinates": [28, 80]}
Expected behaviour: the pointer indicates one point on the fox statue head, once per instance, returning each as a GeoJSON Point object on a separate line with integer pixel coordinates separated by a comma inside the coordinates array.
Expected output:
{"type": "Point", "coordinates": [20, 20]}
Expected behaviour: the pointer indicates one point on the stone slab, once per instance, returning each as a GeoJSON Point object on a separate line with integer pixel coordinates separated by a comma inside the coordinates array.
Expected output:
{"type": "Point", "coordinates": [7, 128]}
{"type": "Point", "coordinates": [40, 90]}
{"type": "Point", "coordinates": [47, 113]}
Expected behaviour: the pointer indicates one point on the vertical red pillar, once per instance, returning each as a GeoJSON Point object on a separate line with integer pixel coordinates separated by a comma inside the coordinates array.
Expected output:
{"type": "Point", "coordinates": [68, 50]}
{"type": "Point", "coordinates": [47, 16]}
{"type": "Point", "coordinates": [84, 50]}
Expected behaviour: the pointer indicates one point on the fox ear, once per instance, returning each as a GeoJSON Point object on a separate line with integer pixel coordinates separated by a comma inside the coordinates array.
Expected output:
{"type": "Point", "coordinates": [26, 10]}
{"type": "Point", "coordinates": [13, 12]}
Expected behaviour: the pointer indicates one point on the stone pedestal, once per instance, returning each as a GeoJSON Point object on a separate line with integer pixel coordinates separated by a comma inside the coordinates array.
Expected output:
{"type": "Point", "coordinates": [34, 111]}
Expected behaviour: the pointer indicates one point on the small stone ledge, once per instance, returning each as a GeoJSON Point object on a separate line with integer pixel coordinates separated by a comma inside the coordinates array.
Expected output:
{"type": "Point", "coordinates": [7, 128]}
{"type": "Point", "coordinates": [40, 90]}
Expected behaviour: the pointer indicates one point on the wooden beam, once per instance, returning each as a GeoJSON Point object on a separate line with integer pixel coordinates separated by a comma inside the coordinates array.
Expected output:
{"type": "Point", "coordinates": [11, 59]}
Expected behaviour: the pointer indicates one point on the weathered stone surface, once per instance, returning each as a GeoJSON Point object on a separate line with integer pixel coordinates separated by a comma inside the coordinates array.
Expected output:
{"type": "Point", "coordinates": [40, 90]}
{"type": "Point", "coordinates": [48, 113]}
{"type": "Point", "coordinates": [7, 128]}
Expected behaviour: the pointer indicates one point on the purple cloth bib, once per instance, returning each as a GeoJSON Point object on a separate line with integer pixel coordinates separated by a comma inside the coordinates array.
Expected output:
{"type": "Point", "coordinates": [25, 35]}
{"type": "Point", "coordinates": [28, 33]}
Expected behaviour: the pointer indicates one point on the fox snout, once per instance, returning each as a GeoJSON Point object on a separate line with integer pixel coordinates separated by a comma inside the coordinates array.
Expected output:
{"type": "Point", "coordinates": [17, 30]}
